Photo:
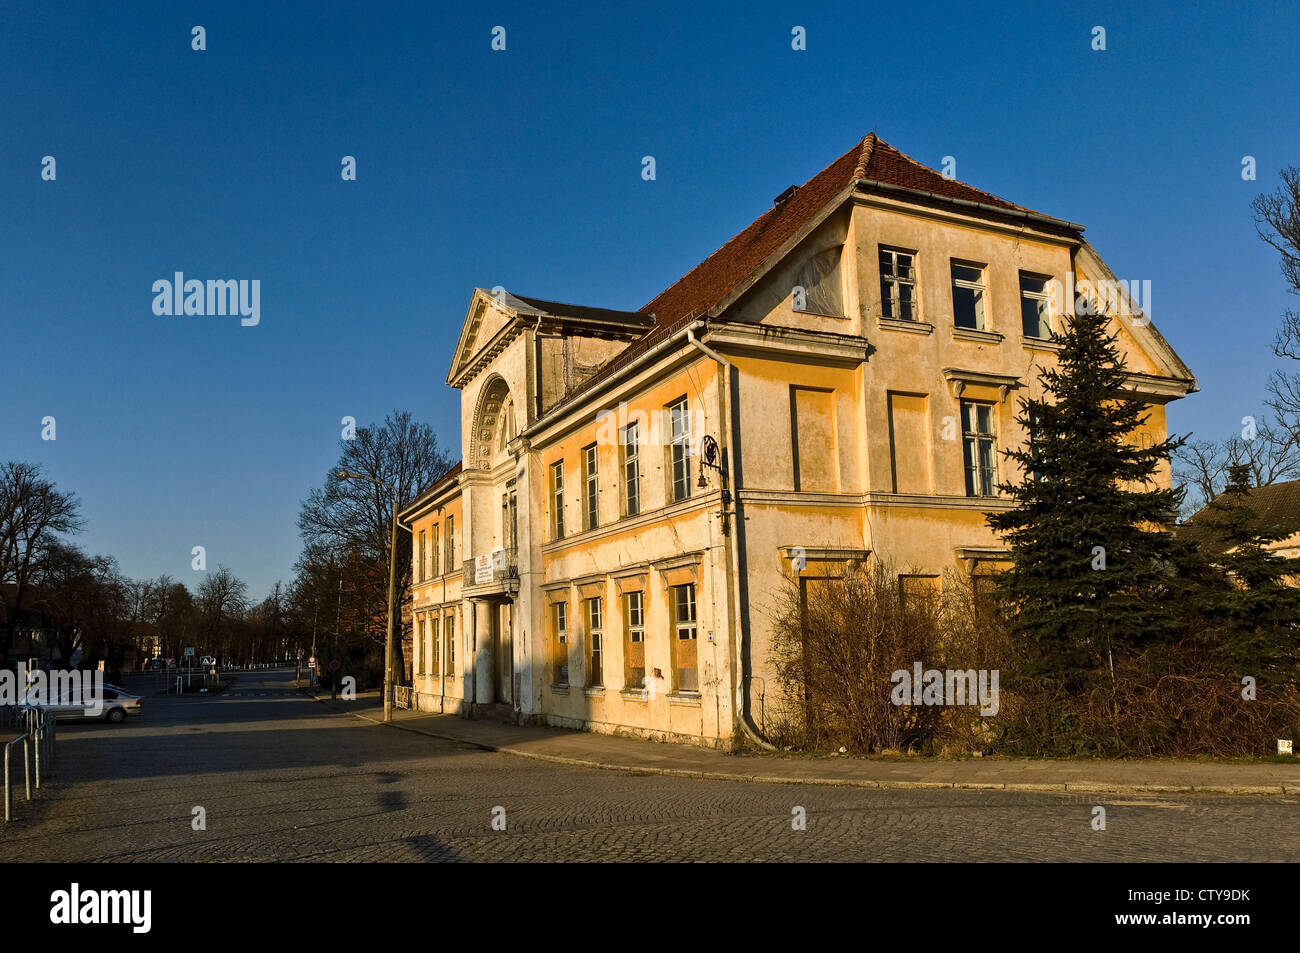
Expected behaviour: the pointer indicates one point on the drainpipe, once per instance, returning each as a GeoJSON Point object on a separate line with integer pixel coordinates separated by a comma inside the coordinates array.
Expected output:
{"type": "Point", "coordinates": [728, 401]}
{"type": "Point", "coordinates": [442, 637]}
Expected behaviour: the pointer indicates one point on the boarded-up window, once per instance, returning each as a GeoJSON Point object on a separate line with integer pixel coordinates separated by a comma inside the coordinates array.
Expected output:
{"type": "Point", "coordinates": [686, 641]}
{"type": "Point", "coordinates": [818, 289]}
{"type": "Point", "coordinates": [634, 651]}
{"type": "Point", "coordinates": [909, 443]}
{"type": "Point", "coordinates": [914, 588]}
{"type": "Point", "coordinates": [812, 430]}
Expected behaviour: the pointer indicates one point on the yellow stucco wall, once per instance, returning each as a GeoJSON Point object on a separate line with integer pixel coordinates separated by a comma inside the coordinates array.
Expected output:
{"type": "Point", "coordinates": [835, 456]}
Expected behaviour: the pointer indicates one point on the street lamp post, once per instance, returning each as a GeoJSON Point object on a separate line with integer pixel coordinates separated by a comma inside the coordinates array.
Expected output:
{"type": "Point", "coordinates": [392, 592]}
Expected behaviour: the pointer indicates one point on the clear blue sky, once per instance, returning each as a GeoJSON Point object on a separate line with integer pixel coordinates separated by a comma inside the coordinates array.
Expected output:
{"type": "Point", "coordinates": [522, 169]}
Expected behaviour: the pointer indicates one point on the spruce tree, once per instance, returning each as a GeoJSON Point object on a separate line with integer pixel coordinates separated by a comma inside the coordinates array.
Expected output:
{"type": "Point", "coordinates": [1258, 611]}
{"type": "Point", "coordinates": [1090, 576]}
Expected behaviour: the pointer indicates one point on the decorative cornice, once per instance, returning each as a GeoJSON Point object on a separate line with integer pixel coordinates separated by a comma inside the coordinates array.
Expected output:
{"type": "Point", "coordinates": [958, 378]}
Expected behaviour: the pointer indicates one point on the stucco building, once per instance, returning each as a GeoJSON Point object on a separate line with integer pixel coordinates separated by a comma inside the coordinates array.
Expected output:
{"type": "Point", "coordinates": [834, 383]}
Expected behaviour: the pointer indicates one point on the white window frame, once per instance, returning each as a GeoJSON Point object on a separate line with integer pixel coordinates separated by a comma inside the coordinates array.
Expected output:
{"type": "Point", "coordinates": [685, 630]}
{"type": "Point", "coordinates": [971, 441]}
{"type": "Point", "coordinates": [891, 298]}
{"type": "Point", "coordinates": [451, 543]}
{"type": "Point", "coordinates": [632, 469]}
{"type": "Point", "coordinates": [596, 647]}
{"type": "Point", "coordinates": [679, 450]}
{"type": "Point", "coordinates": [1044, 298]}
{"type": "Point", "coordinates": [980, 287]}
{"type": "Point", "coordinates": [591, 486]}
{"type": "Point", "coordinates": [557, 499]}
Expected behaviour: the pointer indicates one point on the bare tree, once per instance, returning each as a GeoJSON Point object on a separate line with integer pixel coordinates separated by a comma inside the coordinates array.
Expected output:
{"type": "Point", "coordinates": [347, 518]}
{"type": "Point", "coordinates": [1277, 220]}
{"type": "Point", "coordinates": [32, 514]}
{"type": "Point", "coordinates": [222, 599]}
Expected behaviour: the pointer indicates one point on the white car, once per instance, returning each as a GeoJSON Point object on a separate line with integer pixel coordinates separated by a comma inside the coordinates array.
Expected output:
{"type": "Point", "coordinates": [114, 705]}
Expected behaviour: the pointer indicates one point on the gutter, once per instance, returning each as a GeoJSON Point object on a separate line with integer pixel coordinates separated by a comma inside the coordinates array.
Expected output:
{"type": "Point", "coordinates": [729, 403]}
{"type": "Point", "coordinates": [1026, 214]}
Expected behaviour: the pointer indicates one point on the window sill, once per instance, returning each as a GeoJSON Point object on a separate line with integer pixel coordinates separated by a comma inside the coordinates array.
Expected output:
{"type": "Point", "coordinates": [557, 689]}
{"type": "Point", "coordinates": [820, 314]}
{"type": "Point", "coordinates": [594, 691]}
{"type": "Point", "coordinates": [635, 694]}
{"type": "Point", "coordinates": [973, 334]}
{"type": "Point", "coordinates": [913, 327]}
{"type": "Point", "coordinates": [684, 698]}
{"type": "Point", "coordinates": [1040, 344]}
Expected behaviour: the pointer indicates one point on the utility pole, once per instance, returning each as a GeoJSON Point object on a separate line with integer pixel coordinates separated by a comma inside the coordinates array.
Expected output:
{"type": "Point", "coordinates": [392, 591]}
{"type": "Point", "coordinates": [338, 613]}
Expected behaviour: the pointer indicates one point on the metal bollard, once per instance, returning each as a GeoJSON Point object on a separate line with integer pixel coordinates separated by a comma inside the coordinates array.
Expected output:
{"type": "Point", "coordinates": [8, 776]}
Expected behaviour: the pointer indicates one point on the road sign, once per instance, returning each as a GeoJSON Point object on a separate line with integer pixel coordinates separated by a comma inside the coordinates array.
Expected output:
{"type": "Point", "coordinates": [189, 651]}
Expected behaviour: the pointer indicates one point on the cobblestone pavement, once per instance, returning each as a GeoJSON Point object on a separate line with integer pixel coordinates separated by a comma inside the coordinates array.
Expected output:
{"type": "Point", "coordinates": [281, 777]}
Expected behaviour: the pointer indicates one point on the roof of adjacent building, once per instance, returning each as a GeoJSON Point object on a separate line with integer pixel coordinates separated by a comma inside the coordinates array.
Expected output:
{"type": "Point", "coordinates": [1276, 506]}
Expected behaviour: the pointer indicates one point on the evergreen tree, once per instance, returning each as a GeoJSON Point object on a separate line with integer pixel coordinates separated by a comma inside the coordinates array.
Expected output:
{"type": "Point", "coordinates": [1090, 575]}
{"type": "Point", "coordinates": [1258, 610]}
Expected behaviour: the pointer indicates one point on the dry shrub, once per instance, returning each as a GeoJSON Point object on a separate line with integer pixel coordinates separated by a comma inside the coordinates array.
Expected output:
{"type": "Point", "coordinates": [837, 642]}
{"type": "Point", "coordinates": [1169, 701]}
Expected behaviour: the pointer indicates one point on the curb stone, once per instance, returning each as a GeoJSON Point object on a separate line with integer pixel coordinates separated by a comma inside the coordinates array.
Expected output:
{"type": "Point", "coordinates": [1065, 787]}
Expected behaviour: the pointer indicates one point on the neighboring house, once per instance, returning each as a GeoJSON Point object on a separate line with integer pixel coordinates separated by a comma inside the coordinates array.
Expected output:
{"type": "Point", "coordinates": [854, 356]}
{"type": "Point", "coordinates": [1275, 506]}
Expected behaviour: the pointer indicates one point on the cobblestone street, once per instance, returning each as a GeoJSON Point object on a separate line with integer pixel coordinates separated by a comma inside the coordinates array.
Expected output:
{"type": "Point", "coordinates": [282, 777]}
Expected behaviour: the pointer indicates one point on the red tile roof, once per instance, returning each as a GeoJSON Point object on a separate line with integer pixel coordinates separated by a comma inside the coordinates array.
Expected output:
{"type": "Point", "coordinates": [709, 282]}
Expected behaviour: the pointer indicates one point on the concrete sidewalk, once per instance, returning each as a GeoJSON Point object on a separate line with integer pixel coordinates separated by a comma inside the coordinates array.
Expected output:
{"type": "Point", "coordinates": [611, 752]}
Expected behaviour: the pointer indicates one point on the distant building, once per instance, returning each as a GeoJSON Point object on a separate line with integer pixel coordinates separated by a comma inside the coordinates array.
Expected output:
{"type": "Point", "coordinates": [1275, 506]}
{"type": "Point", "coordinates": [834, 383]}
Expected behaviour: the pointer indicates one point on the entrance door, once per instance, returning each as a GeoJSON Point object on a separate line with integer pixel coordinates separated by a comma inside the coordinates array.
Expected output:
{"type": "Point", "coordinates": [504, 669]}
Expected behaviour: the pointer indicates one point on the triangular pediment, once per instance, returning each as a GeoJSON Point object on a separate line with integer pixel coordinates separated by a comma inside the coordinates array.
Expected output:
{"type": "Point", "coordinates": [485, 320]}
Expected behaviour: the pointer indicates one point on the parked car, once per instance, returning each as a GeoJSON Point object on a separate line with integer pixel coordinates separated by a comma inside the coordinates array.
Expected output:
{"type": "Point", "coordinates": [115, 705]}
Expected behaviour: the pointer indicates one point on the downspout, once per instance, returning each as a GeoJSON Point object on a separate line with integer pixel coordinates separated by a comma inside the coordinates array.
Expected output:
{"type": "Point", "coordinates": [442, 637]}
{"type": "Point", "coordinates": [729, 404]}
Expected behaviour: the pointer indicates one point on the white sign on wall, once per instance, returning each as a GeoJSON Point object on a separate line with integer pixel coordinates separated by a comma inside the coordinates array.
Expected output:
{"type": "Point", "coordinates": [482, 569]}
